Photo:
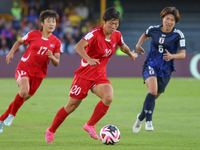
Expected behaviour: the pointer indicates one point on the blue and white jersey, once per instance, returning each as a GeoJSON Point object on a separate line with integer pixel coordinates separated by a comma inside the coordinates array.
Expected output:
{"type": "Point", "coordinates": [171, 41]}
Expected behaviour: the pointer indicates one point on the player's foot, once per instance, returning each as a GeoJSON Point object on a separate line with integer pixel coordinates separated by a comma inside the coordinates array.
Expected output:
{"type": "Point", "coordinates": [49, 136]}
{"type": "Point", "coordinates": [1, 126]}
{"type": "Point", "coordinates": [91, 131]}
{"type": "Point", "coordinates": [138, 124]}
{"type": "Point", "coordinates": [149, 126]}
{"type": "Point", "coordinates": [9, 120]}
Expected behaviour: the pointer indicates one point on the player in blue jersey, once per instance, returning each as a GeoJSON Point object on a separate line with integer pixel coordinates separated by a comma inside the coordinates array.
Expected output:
{"type": "Point", "coordinates": [168, 44]}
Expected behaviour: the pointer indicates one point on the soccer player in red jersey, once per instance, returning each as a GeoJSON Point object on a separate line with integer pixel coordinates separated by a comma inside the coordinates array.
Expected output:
{"type": "Point", "coordinates": [95, 48]}
{"type": "Point", "coordinates": [32, 68]}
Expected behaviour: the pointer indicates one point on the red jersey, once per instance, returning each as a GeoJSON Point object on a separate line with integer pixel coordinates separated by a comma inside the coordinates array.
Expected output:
{"type": "Point", "coordinates": [35, 60]}
{"type": "Point", "coordinates": [98, 48]}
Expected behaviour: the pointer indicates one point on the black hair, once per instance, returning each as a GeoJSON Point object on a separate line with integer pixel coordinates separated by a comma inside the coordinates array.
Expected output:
{"type": "Point", "coordinates": [111, 13]}
{"type": "Point", "coordinates": [48, 14]}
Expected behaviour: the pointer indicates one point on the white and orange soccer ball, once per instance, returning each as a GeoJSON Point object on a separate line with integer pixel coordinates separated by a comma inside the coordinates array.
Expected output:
{"type": "Point", "coordinates": [109, 135]}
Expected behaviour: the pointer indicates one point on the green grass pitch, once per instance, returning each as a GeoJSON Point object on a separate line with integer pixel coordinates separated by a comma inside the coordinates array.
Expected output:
{"type": "Point", "coordinates": [176, 117]}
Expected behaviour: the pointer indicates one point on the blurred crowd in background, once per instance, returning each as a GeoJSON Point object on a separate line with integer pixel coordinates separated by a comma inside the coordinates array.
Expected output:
{"type": "Point", "coordinates": [74, 23]}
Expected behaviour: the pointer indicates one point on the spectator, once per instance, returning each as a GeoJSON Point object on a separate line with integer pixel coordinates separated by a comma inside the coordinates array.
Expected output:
{"type": "Point", "coordinates": [4, 50]}
{"type": "Point", "coordinates": [2, 24]}
{"type": "Point", "coordinates": [16, 11]}
{"type": "Point", "coordinates": [67, 38]}
{"type": "Point", "coordinates": [7, 33]}
{"type": "Point", "coordinates": [77, 35]}
{"type": "Point", "coordinates": [119, 8]}
{"type": "Point", "coordinates": [71, 47]}
{"type": "Point", "coordinates": [15, 23]}
{"type": "Point", "coordinates": [69, 8]}
{"type": "Point", "coordinates": [66, 26]}
{"type": "Point", "coordinates": [74, 18]}
{"type": "Point", "coordinates": [19, 36]}
{"type": "Point", "coordinates": [24, 6]}
{"type": "Point", "coordinates": [82, 11]}
{"type": "Point", "coordinates": [32, 16]}
{"type": "Point", "coordinates": [60, 10]}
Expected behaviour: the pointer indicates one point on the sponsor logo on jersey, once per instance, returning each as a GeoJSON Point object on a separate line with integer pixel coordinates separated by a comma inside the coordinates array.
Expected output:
{"type": "Point", "coordinates": [161, 40]}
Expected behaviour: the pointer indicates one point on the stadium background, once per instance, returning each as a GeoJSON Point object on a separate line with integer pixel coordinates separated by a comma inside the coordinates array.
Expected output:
{"type": "Point", "coordinates": [137, 17]}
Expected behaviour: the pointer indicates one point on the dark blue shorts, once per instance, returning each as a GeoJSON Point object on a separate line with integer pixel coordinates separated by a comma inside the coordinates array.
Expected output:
{"type": "Point", "coordinates": [161, 81]}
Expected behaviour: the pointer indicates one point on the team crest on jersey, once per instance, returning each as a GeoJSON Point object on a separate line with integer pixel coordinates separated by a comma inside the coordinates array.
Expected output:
{"type": "Point", "coordinates": [114, 45]}
{"type": "Point", "coordinates": [52, 45]}
{"type": "Point", "coordinates": [161, 40]}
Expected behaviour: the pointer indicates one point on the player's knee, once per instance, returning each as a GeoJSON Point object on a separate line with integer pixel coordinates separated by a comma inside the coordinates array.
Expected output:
{"type": "Point", "coordinates": [108, 99]}
{"type": "Point", "coordinates": [23, 93]}
{"type": "Point", "coordinates": [153, 91]}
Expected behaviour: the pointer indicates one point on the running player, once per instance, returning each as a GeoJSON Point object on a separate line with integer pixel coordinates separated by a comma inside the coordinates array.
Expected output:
{"type": "Point", "coordinates": [95, 48]}
{"type": "Point", "coordinates": [159, 64]}
{"type": "Point", "coordinates": [32, 68]}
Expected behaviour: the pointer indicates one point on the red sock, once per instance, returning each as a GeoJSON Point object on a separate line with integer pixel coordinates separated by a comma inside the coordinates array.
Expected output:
{"type": "Point", "coordinates": [17, 104]}
{"type": "Point", "coordinates": [5, 115]}
{"type": "Point", "coordinates": [59, 118]}
{"type": "Point", "coordinates": [99, 111]}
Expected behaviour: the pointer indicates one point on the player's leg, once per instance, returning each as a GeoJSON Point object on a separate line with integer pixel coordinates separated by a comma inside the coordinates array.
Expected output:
{"type": "Point", "coordinates": [162, 84]}
{"type": "Point", "coordinates": [78, 92]}
{"type": "Point", "coordinates": [105, 92]}
{"type": "Point", "coordinates": [28, 86]}
{"type": "Point", "coordinates": [60, 117]}
{"type": "Point", "coordinates": [150, 78]}
{"type": "Point", "coordinates": [6, 114]}
{"type": "Point", "coordinates": [152, 87]}
{"type": "Point", "coordinates": [23, 84]}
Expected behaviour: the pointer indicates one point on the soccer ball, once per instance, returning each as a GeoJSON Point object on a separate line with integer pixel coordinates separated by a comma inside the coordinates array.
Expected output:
{"type": "Point", "coordinates": [109, 135]}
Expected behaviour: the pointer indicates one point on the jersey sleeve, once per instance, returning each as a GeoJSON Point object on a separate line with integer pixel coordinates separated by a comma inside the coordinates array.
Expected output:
{"type": "Point", "coordinates": [121, 40]}
{"type": "Point", "coordinates": [181, 42]}
{"type": "Point", "coordinates": [59, 48]}
{"type": "Point", "coordinates": [26, 38]}
{"type": "Point", "coordinates": [89, 37]}
{"type": "Point", "coordinates": [148, 31]}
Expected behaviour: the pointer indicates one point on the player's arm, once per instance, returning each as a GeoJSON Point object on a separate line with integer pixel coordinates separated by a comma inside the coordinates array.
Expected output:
{"type": "Point", "coordinates": [127, 51]}
{"type": "Point", "coordinates": [80, 48]}
{"type": "Point", "coordinates": [142, 39]}
{"type": "Point", "coordinates": [55, 58]}
{"type": "Point", "coordinates": [15, 47]}
{"type": "Point", "coordinates": [168, 56]}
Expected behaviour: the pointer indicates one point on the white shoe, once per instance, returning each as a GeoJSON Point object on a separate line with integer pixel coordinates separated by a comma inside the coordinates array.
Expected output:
{"type": "Point", "coordinates": [1, 126]}
{"type": "Point", "coordinates": [137, 126]}
{"type": "Point", "coordinates": [149, 126]}
{"type": "Point", "coordinates": [9, 120]}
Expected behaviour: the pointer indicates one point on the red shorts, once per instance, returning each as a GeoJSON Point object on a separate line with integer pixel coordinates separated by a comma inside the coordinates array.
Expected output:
{"type": "Point", "coordinates": [34, 82]}
{"type": "Point", "coordinates": [80, 87]}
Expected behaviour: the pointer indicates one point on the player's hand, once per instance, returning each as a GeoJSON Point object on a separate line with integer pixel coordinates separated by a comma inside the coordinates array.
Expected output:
{"type": "Point", "coordinates": [9, 57]}
{"type": "Point", "coordinates": [50, 54]}
{"type": "Point", "coordinates": [140, 50]}
{"type": "Point", "coordinates": [93, 62]}
{"type": "Point", "coordinates": [134, 55]}
{"type": "Point", "coordinates": [167, 56]}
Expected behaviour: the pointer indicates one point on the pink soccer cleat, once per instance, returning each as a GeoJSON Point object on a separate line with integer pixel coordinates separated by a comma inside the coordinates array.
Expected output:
{"type": "Point", "coordinates": [49, 136]}
{"type": "Point", "coordinates": [91, 131]}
